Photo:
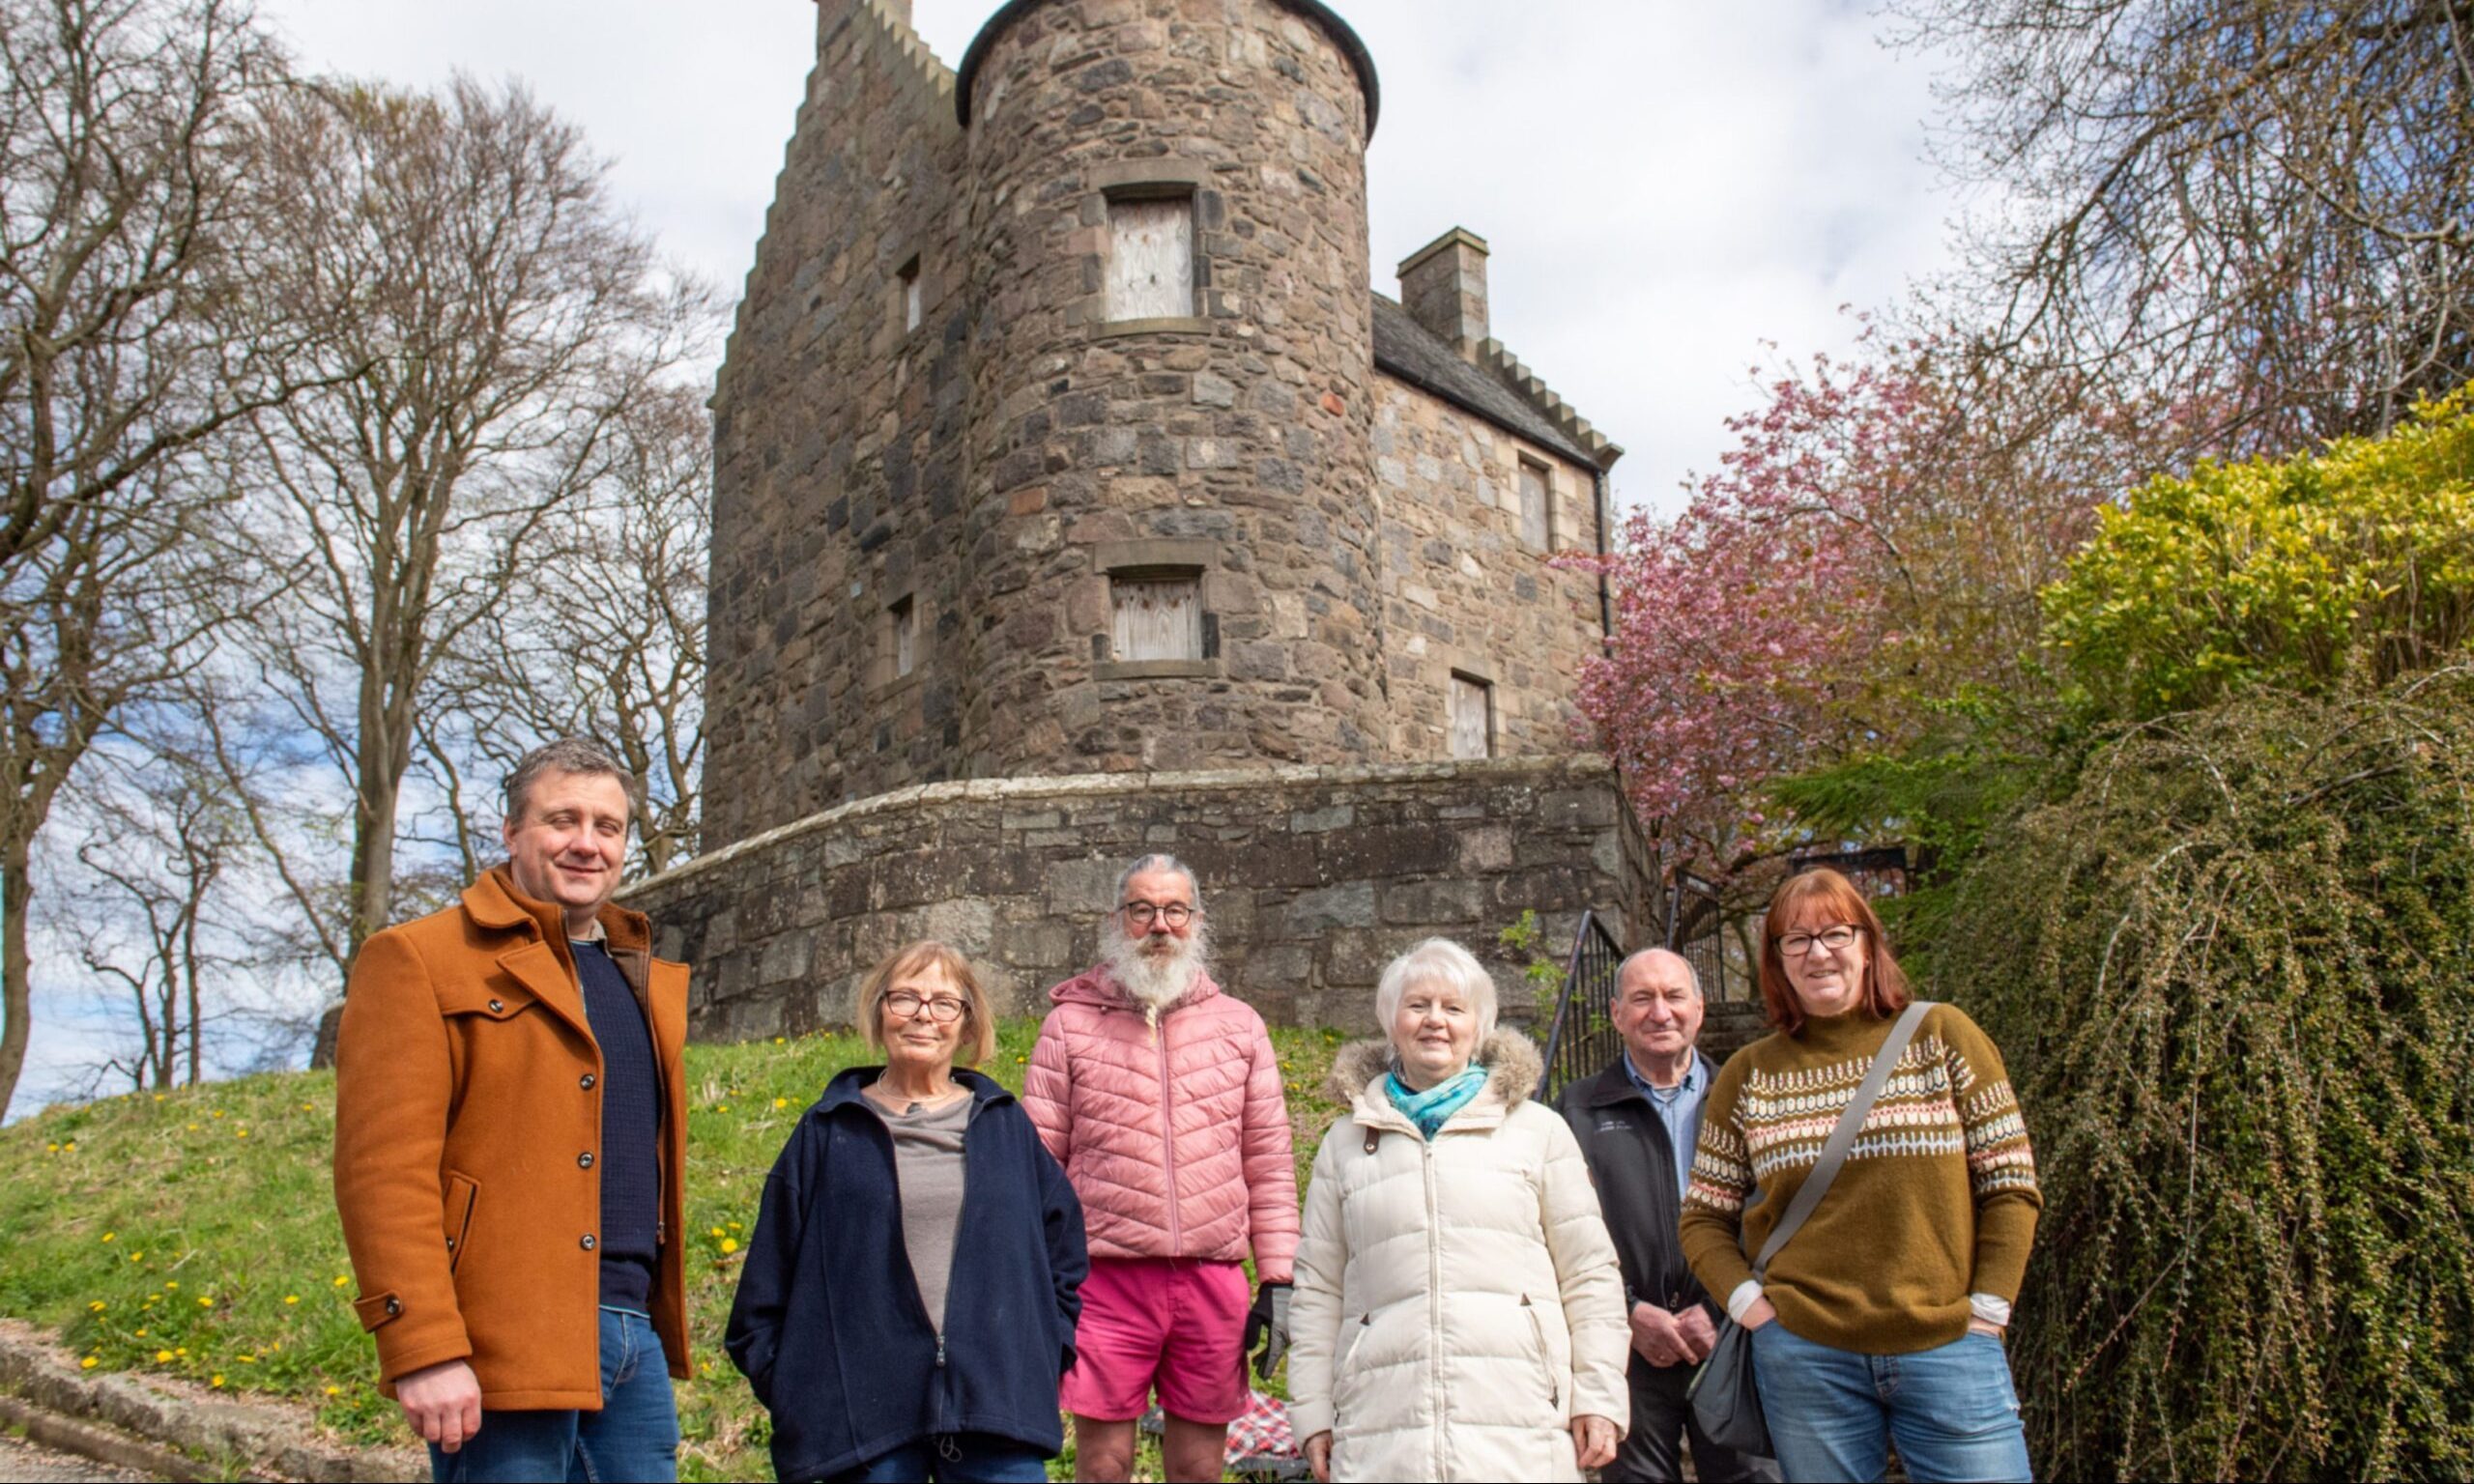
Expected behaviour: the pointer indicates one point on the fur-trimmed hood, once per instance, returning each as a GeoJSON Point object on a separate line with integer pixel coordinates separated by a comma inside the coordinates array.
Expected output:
{"type": "Point", "coordinates": [1513, 1061]}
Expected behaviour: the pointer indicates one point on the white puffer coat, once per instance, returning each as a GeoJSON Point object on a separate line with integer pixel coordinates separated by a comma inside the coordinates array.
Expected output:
{"type": "Point", "coordinates": [1458, 1303]}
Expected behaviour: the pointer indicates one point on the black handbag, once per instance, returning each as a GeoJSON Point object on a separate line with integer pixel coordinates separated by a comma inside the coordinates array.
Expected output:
{"type": "Point", "coordinates": [1724, 1400]}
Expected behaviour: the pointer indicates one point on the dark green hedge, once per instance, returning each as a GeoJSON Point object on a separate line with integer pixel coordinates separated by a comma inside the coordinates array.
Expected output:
{"type": "Point", "coordinates": [2232, 972]}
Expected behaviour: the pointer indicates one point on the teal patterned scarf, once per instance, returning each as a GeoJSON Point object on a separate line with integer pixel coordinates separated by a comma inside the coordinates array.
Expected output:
{"type": "Point", "coordinates": [1431, 1109]}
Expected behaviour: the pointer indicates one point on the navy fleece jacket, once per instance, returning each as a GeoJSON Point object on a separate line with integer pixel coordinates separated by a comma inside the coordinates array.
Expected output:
{"type": "Point", "coordinates": [828, 1326]}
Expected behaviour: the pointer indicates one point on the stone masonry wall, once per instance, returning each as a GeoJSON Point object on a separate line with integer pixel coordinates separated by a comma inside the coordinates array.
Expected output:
{"type": "Point", "coordinates": [838, 445]}
{"type": "Point", "coordinates": [1230, 440]}
{"type": "Point", "coordinates": [1463, 591]}
{"type": "Point", "coordinates": [1312, 878]}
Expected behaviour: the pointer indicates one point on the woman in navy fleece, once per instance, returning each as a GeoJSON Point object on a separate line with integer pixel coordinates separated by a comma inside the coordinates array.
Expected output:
{"type": "Point", "coordinates": [908, 1298]}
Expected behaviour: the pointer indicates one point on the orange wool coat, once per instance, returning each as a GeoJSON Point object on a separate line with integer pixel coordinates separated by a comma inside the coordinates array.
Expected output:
{"type": "Point", "coordinates": [468, 1093]}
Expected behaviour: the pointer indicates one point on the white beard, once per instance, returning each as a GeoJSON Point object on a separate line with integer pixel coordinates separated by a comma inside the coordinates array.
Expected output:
{"type": "Point", "coordinates": [1154, 981]}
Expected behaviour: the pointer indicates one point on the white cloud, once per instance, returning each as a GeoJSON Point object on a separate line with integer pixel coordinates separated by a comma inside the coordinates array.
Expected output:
{"type": "Point", "coordinates": [1665, 186]}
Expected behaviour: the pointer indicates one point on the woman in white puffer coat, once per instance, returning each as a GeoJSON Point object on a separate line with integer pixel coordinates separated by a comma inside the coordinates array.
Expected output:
{"type": "Point", "coordinates": [1458, 1311]}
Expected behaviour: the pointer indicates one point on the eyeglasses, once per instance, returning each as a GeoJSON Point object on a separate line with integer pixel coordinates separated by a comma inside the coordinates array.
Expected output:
{"type": "Point", "coordinates": [944, 1009]}
{"type": "Point", "coordinates": [1798, 944]}
{"type": "Point", "coordinates": [1140, 914]}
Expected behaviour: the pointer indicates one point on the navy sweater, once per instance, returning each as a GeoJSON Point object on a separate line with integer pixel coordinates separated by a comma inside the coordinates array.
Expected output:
{"type": "Point", "coordinates": [828, 1324]}
{"type": "Point", "coordinates": [630, 1153]}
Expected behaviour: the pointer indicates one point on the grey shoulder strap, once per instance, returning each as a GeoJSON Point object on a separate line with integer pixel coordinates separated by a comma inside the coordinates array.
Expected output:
{"type": "Point", "coordinates": [1842, 1139]}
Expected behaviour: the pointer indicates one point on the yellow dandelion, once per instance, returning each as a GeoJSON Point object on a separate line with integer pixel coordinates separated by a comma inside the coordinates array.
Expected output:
{"type": "Point", "coordinates": [780, 1041]}
{"type": "Point", "coordinates": [241, 1133]}
{"type": "Point", "coordinates": [89, 1362]}
{"type": "Point", "coordinates": [137, 1257]}
{"type": "Point", "coordinates": [247, 1359]}
{"type": "Point", "coordinates": [216, 1382]}
{"type": "Point", "coordinates": [95, 1307]}
{"type": "Point", "coordinates": [51, 1148]}
{"type": "Point", "coordinates": [724, 1109]}
{"type": "Point", "coordinates": [781, 1102]}
{"type": "Point", "coordinates": [108, 1235]}
{"type": "Point", "coordinates": [162, 1357]}
{"type": "Point", "coordinates": [309, 1107]}
{"type": "Point", "coordinates": [206, 1304]}
{"type": "Point", "coordinates": [292, 1298]}
{"type": "Point", "coordinates": [216, 1113]}
{"type": "Point", "coordinates": [159, 1096]}
{"type": "Point", "coordinates": [341, 1279]}
{"type": "Point", "coordinates": [717, 1231]}
{"type": "Point", "coordinates": [729, 1245]}
{"type": "Point", "coordinates": [171, 1282]}
{"type": "Point", "coordinates": [69, 1148]}
{"type": "Point", "coordinates": [141, 1335]}
{"type": "Point", "coordinates": [734, 1226]}
{"type": "Point", "coordinates": [334, 1390]}
{"type": "Point", "coordinates": [180, 1350]}
{"type": "Point", "coordinates": [192, 1127]}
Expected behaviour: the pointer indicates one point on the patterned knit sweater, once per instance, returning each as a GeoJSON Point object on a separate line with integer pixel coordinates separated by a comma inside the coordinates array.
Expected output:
{"type": "Point", "coordinates": [1937, 1201]}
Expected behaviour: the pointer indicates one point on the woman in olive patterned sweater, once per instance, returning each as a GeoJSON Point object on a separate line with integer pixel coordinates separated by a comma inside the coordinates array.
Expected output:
{"type": "Point", "coordinates": [1882, 1319]}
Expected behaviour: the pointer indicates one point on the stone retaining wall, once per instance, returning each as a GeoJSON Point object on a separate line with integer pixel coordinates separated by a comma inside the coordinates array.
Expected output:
{"type": "Point", "coordinates": [1312, 877]}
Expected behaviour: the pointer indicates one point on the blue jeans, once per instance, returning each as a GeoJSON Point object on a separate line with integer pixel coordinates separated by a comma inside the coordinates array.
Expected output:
{"type": "Point", "coordinates": [961, 1458]}
{"type": "Point", "coordinates": [1831, 1412]}
{"type": "Point", "coordinates": [634, 1436]}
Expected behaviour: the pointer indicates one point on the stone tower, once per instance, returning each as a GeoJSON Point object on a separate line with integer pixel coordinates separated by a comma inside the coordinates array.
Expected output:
{"type": "Point", "coordinates": [1075, 495]}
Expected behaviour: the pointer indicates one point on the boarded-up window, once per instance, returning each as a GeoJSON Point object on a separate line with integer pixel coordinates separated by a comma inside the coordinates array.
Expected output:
{"type": "Point", "coordinates": [1473, 730]}
{"type": "Point", "coordinates": [906, 638]}
{"type": "Point", "coordinates": [1158, 618]}
{"type": "Point", "coordinates": [1537, 508]}
{"type": "Point", "coordinates": [912, 304]}
{"type": "Point", "coordinates": [1151, 258]}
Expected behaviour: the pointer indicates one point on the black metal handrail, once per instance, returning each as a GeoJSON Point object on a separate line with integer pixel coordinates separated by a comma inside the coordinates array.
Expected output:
{"type": "Point", "coordinates": [1581, 1040]}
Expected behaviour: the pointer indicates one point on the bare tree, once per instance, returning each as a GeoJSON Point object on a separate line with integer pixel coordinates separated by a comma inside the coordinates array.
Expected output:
{"type": "Point", "coordinates": [605, 639]}
{"type": "Point", "coordinates": [492, 315]}
{"type": "Point", "coordinates": [2262, 207]}
{"type": "Point", "coordinates": [119, 354]}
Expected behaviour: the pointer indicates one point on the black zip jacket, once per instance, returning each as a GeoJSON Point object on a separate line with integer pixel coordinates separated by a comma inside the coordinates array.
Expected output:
{"type": "Point", "coordinates": [829, 1327]}
{"type": "Point", "coordinates": [1633, 1164]}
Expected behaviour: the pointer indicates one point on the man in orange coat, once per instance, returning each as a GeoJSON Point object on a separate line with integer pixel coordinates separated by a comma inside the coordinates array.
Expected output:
{"type": "Point", "coordinates": [510, 1142]}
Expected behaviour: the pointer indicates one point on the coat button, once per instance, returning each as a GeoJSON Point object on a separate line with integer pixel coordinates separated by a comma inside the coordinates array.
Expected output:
{"type": "Point", "coordinates": [395, 1306]}
{"type": "Point", "coordinates": [497, 1006]}
{"type": "Point", "coordinates": [583, 1160]}
{"type": "Point", "coordinates": [589, 1243]}
{"type": "Point", "coordinates": [587, 1081]}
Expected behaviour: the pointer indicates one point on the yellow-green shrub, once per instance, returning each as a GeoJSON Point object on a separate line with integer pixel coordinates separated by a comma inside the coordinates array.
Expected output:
{"type": "Point", "coordinates": [2357, 561]}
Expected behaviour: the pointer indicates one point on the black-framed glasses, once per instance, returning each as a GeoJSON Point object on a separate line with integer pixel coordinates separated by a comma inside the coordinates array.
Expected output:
{"type": "Point", "coordinates": [1795, 945]}
{"type": "Point", "coordinates": [1141, 914]}
{"type": "Point", "coordinates": [942, 1009]}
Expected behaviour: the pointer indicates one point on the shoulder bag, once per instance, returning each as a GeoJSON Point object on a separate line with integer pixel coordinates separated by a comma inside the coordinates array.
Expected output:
{"type": "Point", "coordinates": [1723, 1398]}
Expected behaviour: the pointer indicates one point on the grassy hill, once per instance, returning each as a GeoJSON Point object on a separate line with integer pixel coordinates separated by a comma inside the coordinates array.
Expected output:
{"type": "Point", "coordinates": [193, 1232]}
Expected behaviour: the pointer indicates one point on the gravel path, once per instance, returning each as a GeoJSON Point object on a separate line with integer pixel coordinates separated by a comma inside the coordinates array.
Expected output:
{"type": "Point", "coordinates": [23, 1460]}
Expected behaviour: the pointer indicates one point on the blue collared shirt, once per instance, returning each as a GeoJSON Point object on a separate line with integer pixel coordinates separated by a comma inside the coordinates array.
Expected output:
{"type": "Point", "coordinates": [1678, 1107]}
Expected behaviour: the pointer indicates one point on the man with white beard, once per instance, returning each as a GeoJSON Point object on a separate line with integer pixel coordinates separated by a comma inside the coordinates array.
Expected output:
{"type": "Point", "coordinates": [1162, 1097]}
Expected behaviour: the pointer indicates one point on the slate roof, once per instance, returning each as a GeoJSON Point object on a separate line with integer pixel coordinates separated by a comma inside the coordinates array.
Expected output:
{"type": "Point", "coordinates": [1426, 361]}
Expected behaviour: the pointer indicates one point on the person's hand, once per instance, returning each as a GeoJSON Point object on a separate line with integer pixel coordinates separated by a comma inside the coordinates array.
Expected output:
{"type": "Point", "coordinates": [1267, 1325]}
{"type": "Point", "coordinates": [1984, 1327]}
{"type": "Point", "coordinates": [1594, 1439]}
{"type": "Point", "coordinates": [1699, 1336]}
{"type": "Point", "coordinates": [1319, 1457]}
{"type": "Point", "coordinates": [1760, 1314]}
{"type": "Point", "coordinates": [442, 1402]}
{"type": "Point", "coordinates": [1654, 1336]}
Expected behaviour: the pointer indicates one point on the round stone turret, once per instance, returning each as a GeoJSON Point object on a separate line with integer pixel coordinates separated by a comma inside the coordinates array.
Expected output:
{"type": "Point", "coordinates": [1170, 528]}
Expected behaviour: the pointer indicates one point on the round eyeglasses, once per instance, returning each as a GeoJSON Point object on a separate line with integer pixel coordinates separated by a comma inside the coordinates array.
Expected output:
{"type": "Point", "coordinates": [944, 1009]}
{"type": "Point", "coordinates": [1141, 914]}
{"type": "Point", "coordinates": [1795, 945]}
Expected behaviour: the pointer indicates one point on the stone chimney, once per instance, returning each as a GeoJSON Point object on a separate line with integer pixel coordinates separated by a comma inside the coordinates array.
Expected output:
{"type": "Point", "coordinates": [1443, 285]}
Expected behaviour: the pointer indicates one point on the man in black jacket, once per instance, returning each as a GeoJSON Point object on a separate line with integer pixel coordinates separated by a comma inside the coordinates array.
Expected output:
{"type": "Point", "coordinates": [1638, 1122]}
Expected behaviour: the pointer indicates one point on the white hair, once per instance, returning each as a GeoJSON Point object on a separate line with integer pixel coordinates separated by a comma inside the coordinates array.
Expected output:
{"type": "Point", "coordinates": [1437, 960]}
{"type": "Point", "coordinates": [1158, 861]}
{"type": "Point", "coordinates": [1691, 975]}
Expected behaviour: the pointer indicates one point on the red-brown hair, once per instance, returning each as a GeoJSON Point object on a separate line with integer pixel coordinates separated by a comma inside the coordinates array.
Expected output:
{"type": "Point", "coordinates": [1828, 900]}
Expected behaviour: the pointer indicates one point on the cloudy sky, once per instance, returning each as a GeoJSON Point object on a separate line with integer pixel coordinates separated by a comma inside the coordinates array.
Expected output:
{"type": "Point", "coordinates": [1666, 185]}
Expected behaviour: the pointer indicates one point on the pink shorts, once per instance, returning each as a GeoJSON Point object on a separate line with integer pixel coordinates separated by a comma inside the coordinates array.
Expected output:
{"type": "Point", "coordinates": [1169, 1322]}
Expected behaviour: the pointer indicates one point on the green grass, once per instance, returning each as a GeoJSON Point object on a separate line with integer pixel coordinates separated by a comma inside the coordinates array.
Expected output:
{"type": "Point", "coordinates": [193, 1232]}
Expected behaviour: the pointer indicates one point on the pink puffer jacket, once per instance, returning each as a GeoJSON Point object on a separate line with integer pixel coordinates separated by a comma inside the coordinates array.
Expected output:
{"type": "Point", "coordinates": [1177, 1145]}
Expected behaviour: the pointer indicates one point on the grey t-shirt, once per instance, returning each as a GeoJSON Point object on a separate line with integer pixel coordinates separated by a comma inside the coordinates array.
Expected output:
{"type": "Point", "coordinates": [928, 1164]}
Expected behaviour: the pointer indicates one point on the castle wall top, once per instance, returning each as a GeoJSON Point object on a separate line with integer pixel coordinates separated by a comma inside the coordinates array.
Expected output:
{"type": "Point", "coordinates": [1313, 12]}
